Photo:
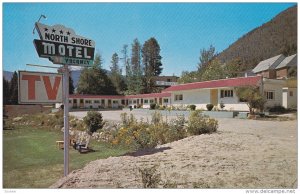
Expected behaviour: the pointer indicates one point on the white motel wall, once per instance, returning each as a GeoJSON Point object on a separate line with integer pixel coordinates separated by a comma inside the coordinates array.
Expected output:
{"type": "Point", "coordinates": [277, 93]}
{"type": "Point", "coordinates": [202, 97]}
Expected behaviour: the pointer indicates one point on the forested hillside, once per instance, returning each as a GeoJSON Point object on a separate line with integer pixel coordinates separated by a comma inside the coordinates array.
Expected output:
{"type": "Point", "coordinates": [272, 38]}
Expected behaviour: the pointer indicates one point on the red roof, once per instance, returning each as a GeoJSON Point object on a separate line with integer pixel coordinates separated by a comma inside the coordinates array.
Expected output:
{"type": "Point", "coordinates": [232, 82]}
{"type": "Point", "coordinates": [96, 96]}
{"type": "Point", "coordinates": [152, 95]}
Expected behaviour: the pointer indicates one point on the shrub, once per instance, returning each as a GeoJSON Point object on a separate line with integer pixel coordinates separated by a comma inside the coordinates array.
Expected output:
{"type": "Point", "coordinates": [199, 124]}
{"type": "Point", "coordinates": [162, 108]}
{"type": "Point", "coordinates": [253, 97]}
{"type": "Point", "coordinates": [94, 121]}
{"type": "Point", "coordinates": [152, 106]}
{"type": "Point", "coordinates": [277, 109]}
{"type": "Point", "coordinates": [156, 118]}
{"type": "Point", "coordinates": [150, 177]}
{"type": "Point", "coordinates": [209, 107]}
{"type": "Point", "coordinates": [193, 107]}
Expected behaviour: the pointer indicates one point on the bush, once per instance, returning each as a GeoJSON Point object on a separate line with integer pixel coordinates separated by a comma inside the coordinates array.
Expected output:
{"type": "Point", "coordinates": [94, 121]}
{"type": "Point", "coordinates": [162, 108]}
{"type": "Point", "coordinates": [277, 109]}
{"type": "Point", "coordinates": [193, 107]}
{"type": "Point", "coordinates": [199, 124]}
{"type": "Point", "coordinates": [150, 177]}
{"type": "Point", "coordinates": [152, 106]}
{"type": "Point", "coordinates": [209, 107]}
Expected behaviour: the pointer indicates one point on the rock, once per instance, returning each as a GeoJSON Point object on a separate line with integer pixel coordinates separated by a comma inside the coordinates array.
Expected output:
{"type": "Point", "coordinates": [17, 119]}
{"type": "Point", "coordinates": [56, 126]}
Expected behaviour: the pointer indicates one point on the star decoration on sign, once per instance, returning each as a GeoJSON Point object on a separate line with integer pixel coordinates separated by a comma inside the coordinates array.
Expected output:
{"type": "Point", "coordinates": [46, 29]}
{"type": "Point", "coordinates": [61, 32]}
{"type": "Point", "coordinates": [53, 30]}
{"type": "Point", "coordinates": [68, 33]}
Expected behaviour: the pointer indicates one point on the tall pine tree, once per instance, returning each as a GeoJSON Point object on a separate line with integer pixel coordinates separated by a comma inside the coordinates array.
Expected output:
{"type": "Point", "coordinates": [116, 74]}
{"type": "Point", "coordinates": [136, 66]}
{"type": "Point", "coordinates": [152, 63]}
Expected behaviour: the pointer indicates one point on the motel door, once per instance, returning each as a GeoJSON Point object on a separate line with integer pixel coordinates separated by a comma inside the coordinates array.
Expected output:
{"type": "Point", "coordinates": [81, 103]}
{"type": "Point", "coordinates": [75, 103]}
{"type": "Point", "coordinates": [160, 101]}
{"type": "Point", "coordinates": [214, 97]}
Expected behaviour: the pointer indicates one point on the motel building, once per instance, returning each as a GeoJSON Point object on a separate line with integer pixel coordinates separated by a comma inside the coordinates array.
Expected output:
{"type": "Point", "coordinates": [277, 93]}
{"type": "Point", "coordinates": [271, 76]}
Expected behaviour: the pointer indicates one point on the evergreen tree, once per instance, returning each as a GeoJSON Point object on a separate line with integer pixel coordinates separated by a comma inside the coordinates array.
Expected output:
{"type": "Point", "coordinates": [128, 70]}
{"type": "Point", "coordinates": [135, 73]}
{"type": "Point", "coordinates": [95, 81]}
{"type": "Point", "coordinates": [6, 92]}
{"type": "Point", "coordinates": [116, 74]}
{"type": "Point", "coordinates": [71, 84]}
{"type": "Point", "coordinates": [13, 88]}
{"type": "Point", "coordinates": [152, 63]}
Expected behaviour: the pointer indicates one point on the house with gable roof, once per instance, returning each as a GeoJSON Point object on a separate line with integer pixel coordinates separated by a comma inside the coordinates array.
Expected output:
{"type": "Point", "coordinates": [278, 67]}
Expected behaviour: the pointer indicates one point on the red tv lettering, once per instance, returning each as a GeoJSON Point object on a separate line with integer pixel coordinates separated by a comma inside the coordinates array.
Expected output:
{"type": "Point", "coordinates": [31, 84]}
{"type": "Point", "coordinates": [51, 91]}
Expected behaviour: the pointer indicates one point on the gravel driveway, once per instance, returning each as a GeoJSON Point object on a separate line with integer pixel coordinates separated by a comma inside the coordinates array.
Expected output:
{"type": "Point", "coordinates": [242, 154]}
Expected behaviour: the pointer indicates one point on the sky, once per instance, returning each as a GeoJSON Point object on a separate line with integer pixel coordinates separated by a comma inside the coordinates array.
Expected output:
{"type": "Point", "coordinates": [181, 29]}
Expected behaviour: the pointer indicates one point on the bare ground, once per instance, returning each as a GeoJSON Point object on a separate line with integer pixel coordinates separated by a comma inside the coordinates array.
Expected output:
{"type": "Point", "coordinates": [242, 154]}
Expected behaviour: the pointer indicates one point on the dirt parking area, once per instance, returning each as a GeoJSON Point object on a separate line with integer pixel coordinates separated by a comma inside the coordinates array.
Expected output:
{"type": "Point", "coordinates": [242, 154]}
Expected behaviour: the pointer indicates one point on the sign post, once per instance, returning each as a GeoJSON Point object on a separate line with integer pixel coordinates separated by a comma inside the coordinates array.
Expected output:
{"type": "Point", "coordinates": [66, 119]}
{"type": "Point", "coordinates": [63, 46]}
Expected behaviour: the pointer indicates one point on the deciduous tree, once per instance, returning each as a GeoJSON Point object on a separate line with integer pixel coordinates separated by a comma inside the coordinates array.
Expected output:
{"type": "Point", "coordinates": [95, 81]}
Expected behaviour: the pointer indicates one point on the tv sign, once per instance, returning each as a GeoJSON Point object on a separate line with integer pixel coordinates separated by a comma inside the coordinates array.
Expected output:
{"type": "Point", "coordinates": [40, 88]}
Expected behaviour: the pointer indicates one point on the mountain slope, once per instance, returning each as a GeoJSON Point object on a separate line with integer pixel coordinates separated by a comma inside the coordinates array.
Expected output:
{"type": "Point", "coordinates": [278, 36]}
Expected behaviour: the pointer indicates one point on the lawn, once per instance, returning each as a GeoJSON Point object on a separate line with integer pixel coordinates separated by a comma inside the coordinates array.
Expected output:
{"type": "Point", "coordinates": [32, 160]}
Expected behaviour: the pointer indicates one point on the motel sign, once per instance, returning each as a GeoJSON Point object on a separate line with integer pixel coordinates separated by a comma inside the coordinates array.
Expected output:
{"type": "Point", "coordinates": [62, 46]}
{"type": "Point", "coordinates": [39, 88]}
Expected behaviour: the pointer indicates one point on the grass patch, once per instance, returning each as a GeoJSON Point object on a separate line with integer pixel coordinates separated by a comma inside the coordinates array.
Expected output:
{"type": "Point", "coordinates": [32, 160]}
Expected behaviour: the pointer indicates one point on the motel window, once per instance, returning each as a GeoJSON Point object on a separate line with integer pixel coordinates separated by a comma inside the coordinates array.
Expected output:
{"type": "Point", "coordinates": [134, 102]}
{"type": "Point", "coordinates": [146, 101]}
{"type": "Point", "coordinates": [96, 101]}
{"type": "Point", "coordinates": [178, 97]}
{"type": "Point", "coordinates": [130, 101]}
{"type": "Point", "coordinates": [291, 93]}
{"type": "Point", "coordinates": [151, 101]}
{"type": "Point", "coordinates": [166, 100]}
{"type": "Point", "coordinates": [270, 95]}
{"type": "Point", "coordinates": [115, 102]}
{"type": "Point", "coordinates": [70, 101]}
{"type": "Point", "coordinates": [226, 93]}
{"type": "Point", "coordinates": [102, 101]}
{"type": "Point", "coordinates": [87, 101]}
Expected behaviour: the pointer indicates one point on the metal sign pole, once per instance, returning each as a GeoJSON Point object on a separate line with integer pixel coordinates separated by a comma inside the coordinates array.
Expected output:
{"type": "Point", "coordinates": [66, 120]}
